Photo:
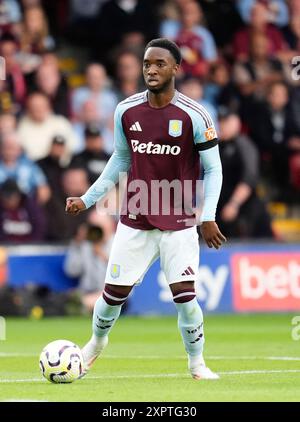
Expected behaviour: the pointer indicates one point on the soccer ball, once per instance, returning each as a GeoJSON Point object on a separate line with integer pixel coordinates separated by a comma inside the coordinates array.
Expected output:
{"type": "Point", "coordinates": [61, 361]}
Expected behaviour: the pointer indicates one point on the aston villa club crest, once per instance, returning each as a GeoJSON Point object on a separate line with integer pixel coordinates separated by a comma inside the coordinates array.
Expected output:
{"type": "Point", "coordinates": [115, 270]}
{"type": "Point", "coordinates": [175, 128]}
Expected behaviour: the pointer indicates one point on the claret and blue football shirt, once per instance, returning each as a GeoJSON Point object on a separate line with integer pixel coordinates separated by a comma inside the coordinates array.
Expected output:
{"type": "Point", "coordinates": [158, 145]}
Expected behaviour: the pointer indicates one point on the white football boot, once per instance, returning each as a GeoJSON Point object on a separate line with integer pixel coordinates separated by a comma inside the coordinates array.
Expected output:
{"type": "Point", "coordinates": [199, 370]}
{"type": "Point", "coordinates": [91, 351]}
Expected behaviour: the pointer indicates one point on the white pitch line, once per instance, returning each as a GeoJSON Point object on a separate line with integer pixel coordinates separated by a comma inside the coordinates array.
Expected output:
{"type": "Point", "coordinates": [247, 372]}
{"type": "Point", "coordinates": [17, 355]}
{"type": "Point", "coordinates": [155, 376]}
{"type": "Point", "coordinates": [23, 401]}
{"type": "Point", "coordinates": [161, 357]}
{"type": "Point", "coordinates": [9, 381]}
{"type": "Point", "coordinates": [258, 371]}
{"type": "Point", "coordinates": [283, 358]}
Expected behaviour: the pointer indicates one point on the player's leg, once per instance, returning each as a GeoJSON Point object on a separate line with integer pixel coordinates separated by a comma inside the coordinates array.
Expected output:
{"type": "Point", "coordinates": [132, 253]}
{"type": "Point", "coordinates": [106, 312]}
{"type": "Point", "coordinates": [180, 262]}
{"type": "Point", "coordinates": [190, 324]}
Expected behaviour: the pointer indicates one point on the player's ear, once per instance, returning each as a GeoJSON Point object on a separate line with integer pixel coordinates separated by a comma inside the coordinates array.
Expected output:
{"type": "Point", "coordinates": [175, 68]}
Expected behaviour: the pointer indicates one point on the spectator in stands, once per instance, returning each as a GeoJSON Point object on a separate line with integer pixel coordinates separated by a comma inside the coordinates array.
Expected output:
{"type": "Point", "coordinates": [259, 24]}
{"type": "Point", "coordinates": [240, 212]}
{"type": "Point", "coordinates": [133, 41]}
{"type": "Point", "coordinates": [277, 10]}
{"type": "Point", "coordinates": [13, 88]}
{"type": "Point", "coordinates": [38, 127]}
{"type": "Point", "coordinates": [48, 58]}
{"type": "Point", "coordinates": [193, 88]}
{"type": "Point", "coordinates": [294, 7]}
{"type": "Point", "coordinates": [86, 10]}
{"type": "Point", "coordinates": [128, 74]}
{"type": "Point", "coordinates": [15, 165]}
{"type": "Point", "coordinates": [60, 226]}
{"type": "Point", "coordinates": [53, 164]}
{"type": "Point", "coordinates": [292, 33]}
{"type": "Point", "coordinates": [254, 76]}
{"type": "Point", "coordinates": [51, 58]}
{"type": "Point", "coordinates": [83, 21]}
{"type": "Point", "coordinates": [118, 18]}
{"type": "Point", "coordinates": [105, 221]}
{"type": "Point", "coordinates": [93, 158]}
{"type": "Point", "coordinates": [295, 106]}
{"type": "Point", "coordinates": [50, 82]}
{"type": "Point", "coordinates": [30, 3]}
{"type": "Point", "coordinates": [10, 16]}
{"type": "Point", "coordinates": [87, 259]}
{"type": "Point", "coordinates": [169, 14]}
{"type": "Point", "coordinates": [276, 132]}
{"type": "Point", "coordinates": [21, 218]}
{"type": "Point", "coordinates": [216, 13]}
{"type": "Point", "coordinates": [35, 37]}
{"type": "Point", "coordinates": [219, 90]}
{"type": "Point", "coordinates": [89, 116]}
{"type": "Point", "coordinates": [96, 90]}
{"type": "Point", "coordinates": [197, 44]}
{"type": "Point", "coordinates": [8, 123]}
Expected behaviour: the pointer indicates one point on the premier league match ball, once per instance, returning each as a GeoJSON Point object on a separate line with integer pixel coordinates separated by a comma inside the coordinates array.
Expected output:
{"type": "Point", "coordinates": [61, 361]}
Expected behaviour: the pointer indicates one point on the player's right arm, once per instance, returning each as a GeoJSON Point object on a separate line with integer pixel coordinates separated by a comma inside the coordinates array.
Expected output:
{"type": "Point", "coordinates": [118, 163]}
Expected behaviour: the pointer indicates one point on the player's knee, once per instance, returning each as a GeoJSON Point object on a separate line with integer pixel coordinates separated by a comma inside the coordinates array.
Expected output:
{"type": "Point", "coordinates": [115, 295]}
{"type": "Point", "coordinates": [183, 292]}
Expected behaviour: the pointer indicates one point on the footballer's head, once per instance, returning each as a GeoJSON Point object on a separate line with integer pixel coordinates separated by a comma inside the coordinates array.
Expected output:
{"type": "Point", "coordinates": [161, 61]}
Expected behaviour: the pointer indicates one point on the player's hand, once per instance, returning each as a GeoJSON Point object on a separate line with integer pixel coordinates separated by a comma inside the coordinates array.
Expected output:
{"type": "Point", "coordinates": [74, 205]}
{"type": "Point", "coordinates": [211, 234]}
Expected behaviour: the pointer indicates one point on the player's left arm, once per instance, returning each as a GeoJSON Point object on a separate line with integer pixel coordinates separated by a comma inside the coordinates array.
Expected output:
{"type": "Point", "coordinates": [211, 163]}
{"type": "Point", "coordinates": [206, 142]}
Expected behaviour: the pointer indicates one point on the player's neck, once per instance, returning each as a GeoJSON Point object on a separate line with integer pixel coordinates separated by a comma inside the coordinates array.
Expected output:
{"type": "Point", "coordinates": [161, 99]}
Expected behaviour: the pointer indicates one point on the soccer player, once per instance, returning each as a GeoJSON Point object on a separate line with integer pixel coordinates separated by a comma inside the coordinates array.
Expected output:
{"type": "Point", "coordinates": [159, 135]}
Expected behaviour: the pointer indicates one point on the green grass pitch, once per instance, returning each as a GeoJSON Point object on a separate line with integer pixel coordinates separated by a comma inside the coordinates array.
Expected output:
{"type": "Point", "coordinates": [255, 355]}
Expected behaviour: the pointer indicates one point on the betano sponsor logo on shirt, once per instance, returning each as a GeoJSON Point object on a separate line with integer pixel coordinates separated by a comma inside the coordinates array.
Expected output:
{"type": "Point", "coordinates": [151, 148]}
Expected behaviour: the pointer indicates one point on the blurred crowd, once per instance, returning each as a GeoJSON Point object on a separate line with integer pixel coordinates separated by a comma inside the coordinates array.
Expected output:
{"type": "Point", "coordinates": [241, 60]}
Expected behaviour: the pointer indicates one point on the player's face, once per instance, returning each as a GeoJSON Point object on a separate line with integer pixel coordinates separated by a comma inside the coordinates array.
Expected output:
{"type": "Point", "coordinates": [159, 69]}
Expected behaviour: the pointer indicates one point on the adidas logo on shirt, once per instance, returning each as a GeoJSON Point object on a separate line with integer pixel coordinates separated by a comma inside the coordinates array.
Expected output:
{"type": "Point", "coordinates": [136, 127]}
{"type": "Point", "coordinates": [188, 271]}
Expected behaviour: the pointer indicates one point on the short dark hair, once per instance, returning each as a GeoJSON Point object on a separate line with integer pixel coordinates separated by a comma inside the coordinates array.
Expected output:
{"type": "Point", "coordinates": [167, 45]}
